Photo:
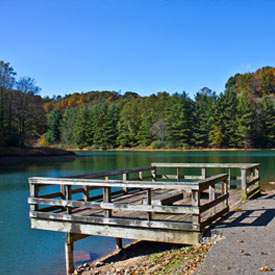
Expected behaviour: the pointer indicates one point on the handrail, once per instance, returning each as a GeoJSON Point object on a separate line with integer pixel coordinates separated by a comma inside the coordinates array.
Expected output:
{"type": "Point", "coordinates": [207, 165]}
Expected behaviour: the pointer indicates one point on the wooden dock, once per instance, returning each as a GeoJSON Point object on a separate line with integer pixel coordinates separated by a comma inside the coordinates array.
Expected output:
{"type": "Point", "coordinates": [157, 203]}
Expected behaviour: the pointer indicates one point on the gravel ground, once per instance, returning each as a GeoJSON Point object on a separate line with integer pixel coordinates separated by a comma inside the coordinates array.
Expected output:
{"type": "Point", "coordinates": [249, 240]}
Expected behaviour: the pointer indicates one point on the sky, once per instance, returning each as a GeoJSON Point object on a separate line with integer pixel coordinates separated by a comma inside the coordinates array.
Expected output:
{"type": "Point", "coordinates": [144, 46]}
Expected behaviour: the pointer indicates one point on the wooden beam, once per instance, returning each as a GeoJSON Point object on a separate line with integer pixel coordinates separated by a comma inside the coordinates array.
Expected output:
{"type": "Point", "coordinates": [159, 235]}
{"type": "Point", "coordinates": [115, 221]}
{"type": "Point", "coordinates": [119, 206]}
{"type": "Point", "coordinates": [69, 256]}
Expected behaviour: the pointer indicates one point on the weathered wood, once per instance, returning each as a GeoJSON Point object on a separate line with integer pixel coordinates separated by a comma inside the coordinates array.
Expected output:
{"type": "Point", "coordinates": [203, 173]}
{"type": "Point", "coordinates": [69, 256]}
{"type": "Point", "coordinates": [114, 221]}
{"type": "Point", "coordinates": [243, 183]}
{"type": "Point", "coordinates": [119, 243]}
{"type": "Point", "coordinates": [154, 174]}
{"type": "Point", "coordinates": [158, 235]}
{"type": "Point", "coordinates": [253, 192]}
{"type": "Point", "coordinates": [207, 165]}
{"type": "Point", "coordinates": [252, 182]}
{"type": "Point", "coordinates": [69, 197]}
{"type": "Point", "coordinates": [167, 198]}
{"type": "Point", "coordinates": [125, 177]}
{"type": "Point", "coordinates": [195, 203]}
{"type": "Point", "coordinates": [202, 184]}
{"type": "Point", "coordinates": [52, 195]}
{"type": "Point", "coordinates": [118, 206]}
{"type": "Point", "coordinates": [213, 203]}
{"type": "Point", "coordinates": [107, 199]}
{"type": "Point", "coordinates": [34, 192]}
{"type": "Point", "coordinates": [149, 202]}
{"type": "Point", "coordinates": [229, 178]}
{"type": "Point", "coordinates": [212, 197]}
{"type": "Point", "coordinates": [112, 173]}
{"type": "Point", "coordinates": [215, 217]}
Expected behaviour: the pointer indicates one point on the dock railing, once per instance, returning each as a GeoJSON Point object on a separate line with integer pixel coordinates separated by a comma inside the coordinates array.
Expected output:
{"type": "Point", "coordinates": [249, 174]}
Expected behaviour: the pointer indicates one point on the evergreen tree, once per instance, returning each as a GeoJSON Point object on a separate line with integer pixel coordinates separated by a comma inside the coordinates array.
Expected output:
{"type": "Point", "coordinates": [179, 120]}
{"type": "Point", "coordinates": [54, 120]}
{"type": "Point", "coordinates": [246, 121]}
{"type": "Point", "coordinates": [205, 102]}
{"type": "Point", "coordinates": [83, 127]}
{"type": "Point", "coordinates": [267, 117]}
{"type": "Point", "coordinates": [67, 126]}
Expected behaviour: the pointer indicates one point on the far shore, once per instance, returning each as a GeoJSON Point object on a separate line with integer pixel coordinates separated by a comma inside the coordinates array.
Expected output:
{"type": "Point", "coordinates": [172, 149]}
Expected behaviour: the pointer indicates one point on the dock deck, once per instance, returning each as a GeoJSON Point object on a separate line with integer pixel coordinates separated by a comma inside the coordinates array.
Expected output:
{"type": "Point", "coordinates": [146, 203]}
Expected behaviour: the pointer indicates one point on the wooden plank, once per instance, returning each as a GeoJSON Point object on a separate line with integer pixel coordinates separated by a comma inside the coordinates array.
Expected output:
{"type": "Point", "coordinates": [112, 173]}
{"type": "Point", "coordinates": [69, 255]}
{"type": "Point", "coordinates": [51, 195]}
{"type": "Point", "coordinates": [116, 183]}
{"type": "Point", "coordinates": [207, 165]}
{"type": "Point", "coordinates": [107, 199]}
{"type": "Point", "coordinates": [167, 198]}
{"type": "Point", "coordinates": [243, 183]}
{"type": "Point", "coordinates": [118, 206]}
{"type": "Point", "coordinates": [213, 218]}
{"type": "Point", "coordinates": [159, 235]}
{"type": "Point", "coordinates": [114, 221]}
{"type": "Point", "coordinates": [195, 203]}
{"type": "Point", "coordinates": [253, 192]}
{"type": "Point", "coordinates": [213, 203]}
{"type": "Point", "coordinates": [34, 192]}
{"type": "Point", "coordinates": [252, 182]}
{"type": "Point", "coordinates": [204, 184]}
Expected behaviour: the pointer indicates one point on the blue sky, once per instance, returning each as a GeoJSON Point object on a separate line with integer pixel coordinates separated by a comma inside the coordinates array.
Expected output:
{"type": "Point", "coordinates": [145, 46]}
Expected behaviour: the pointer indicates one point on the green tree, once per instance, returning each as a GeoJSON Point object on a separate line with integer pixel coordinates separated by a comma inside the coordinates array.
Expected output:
{"type": "Point", "coordinates": [54, 123]}
{"type": "Point", "coordinates": [179, 120]}
{"type": "Point", "coordinates": [267, 120]}
{"type": "Point", "coordinates": [205, 103]}
{"type": "Point", "coordinates": [246, 121]}
{"type": "Point", "coordinates": [83, 127]}
{"type": "Point", "coordinates": [7, 82]}
{"type": "Point", "coordinates": [67, 126]}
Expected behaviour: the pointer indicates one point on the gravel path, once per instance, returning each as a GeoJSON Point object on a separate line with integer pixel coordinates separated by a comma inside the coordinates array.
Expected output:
{"type": "Point", "coordinates": [249, 241]}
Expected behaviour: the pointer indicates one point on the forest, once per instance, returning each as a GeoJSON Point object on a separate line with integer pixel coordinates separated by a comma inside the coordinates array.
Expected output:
{"type": "Point", "coordinates": [242, 116]}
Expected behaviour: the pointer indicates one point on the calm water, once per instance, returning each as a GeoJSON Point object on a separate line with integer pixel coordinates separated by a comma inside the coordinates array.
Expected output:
{"type": "Point", "coordinates": [27, 251]}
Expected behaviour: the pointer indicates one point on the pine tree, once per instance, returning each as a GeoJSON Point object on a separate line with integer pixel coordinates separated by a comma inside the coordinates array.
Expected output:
{"type": "Point", "coordinates": [53, 121]}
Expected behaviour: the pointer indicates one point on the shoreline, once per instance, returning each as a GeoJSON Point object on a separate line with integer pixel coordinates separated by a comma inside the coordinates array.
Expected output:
{"type": "Point", "coordinates": [170, 150]}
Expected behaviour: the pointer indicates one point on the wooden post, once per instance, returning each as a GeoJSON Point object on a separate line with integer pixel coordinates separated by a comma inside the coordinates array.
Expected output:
{"type": "Point", "coordinates": [203, 173]}
{"type": "Point", "coordinates": [85, 193]}
{"type": "Point", "coordinates": [243, 182]}
{"type": "Point", "coordinates": [212, 197]}
{"type": "Point", "coordinates": [196, 202]}
{"type": "Point", "coordinates": [257, 175]}
{"type": "Point", "coordinates": [63, 191]}
{"type": "Point", "coordinates": [107, 198]}
{"type": "Point", "coordinates": [154, 174]}
{"type": "Point", "coordinates": [34, 192]}
{"type": "Point", "coordinates": [69, 254]}
{"type": "Point", "coordinates": [69, 197]}
{"type": "Point", "coordinates": [149, 202]}
{"type": "Point", "coordinates": [225, 191]}
{"type": "Point", "coordinates": [229, 178]}
{"type": "Point", "coordinates": [125, 177]}
{"type": "Point", "coordinates": [178, 174]}
{"type": "Point", "coordinates": [119, 243]}
{"type": "Point", "coordinates": [140, 175]}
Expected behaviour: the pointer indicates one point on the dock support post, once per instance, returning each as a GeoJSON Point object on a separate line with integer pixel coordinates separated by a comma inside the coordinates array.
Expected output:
{"type": "Point", "coordinates": [203, 173]}
{"type": "Point", "coordinates": [243, 179]}
{"type": "Point", "coordinates": [125, 177]}
{"type": "Point", "coordinates": [119, 243]}
{"type": "Point", "coordinates": [69, 254]}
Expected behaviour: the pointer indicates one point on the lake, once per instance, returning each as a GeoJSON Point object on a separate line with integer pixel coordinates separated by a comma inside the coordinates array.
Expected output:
{"type": "Point", "coordinates": [28, 251]}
